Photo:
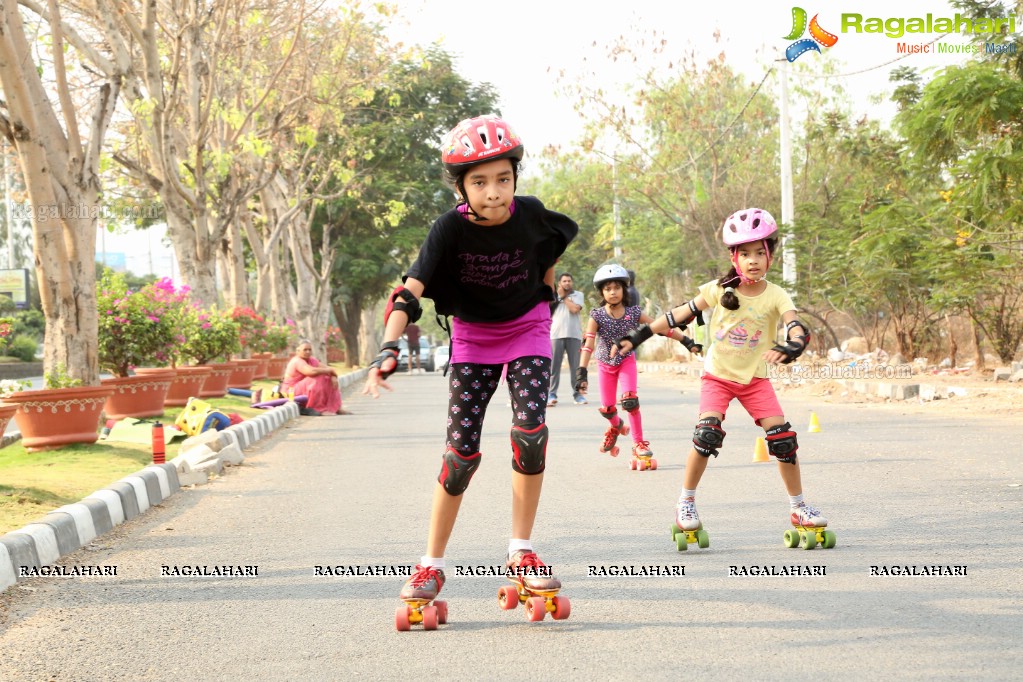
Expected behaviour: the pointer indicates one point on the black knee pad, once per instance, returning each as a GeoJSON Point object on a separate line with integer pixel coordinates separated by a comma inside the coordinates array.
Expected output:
{"type": "Point", "coordinates": [529, 449]}
{"type": "Point", "coordinates": [608, 413]}
{"type": "Point", "coordinates": [781, 442]}
{"type": "Point", "coordinates": [630, 402]}
{"type": "Point", "coordinates": [708, 436]}
{"type": "Point", "coordinates": [457, 471]}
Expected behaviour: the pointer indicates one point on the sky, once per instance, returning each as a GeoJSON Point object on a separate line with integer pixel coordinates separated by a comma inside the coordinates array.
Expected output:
{"type": "Point", "coordinates": [530, 49]}
{"type": "Point", "coordinates": [524, 47]}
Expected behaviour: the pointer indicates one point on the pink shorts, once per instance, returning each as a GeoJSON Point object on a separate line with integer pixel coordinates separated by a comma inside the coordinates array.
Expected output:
{"type": "Point", "coordinates": [758, 396]}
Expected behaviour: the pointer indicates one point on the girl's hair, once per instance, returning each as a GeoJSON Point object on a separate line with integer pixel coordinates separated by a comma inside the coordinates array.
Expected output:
{"type": "Point", "coordinates": [626, 299]}
{"type": "Point", "coordinates": [455, 180]}
{"type": "Point", "coordinates": [731, 280]}
{"type": "Point", "coordinates": [302, 342]}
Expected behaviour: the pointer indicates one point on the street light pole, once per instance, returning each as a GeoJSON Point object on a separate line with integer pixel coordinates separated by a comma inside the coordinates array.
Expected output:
{"type": "Point", "coordinates": [787, 201]}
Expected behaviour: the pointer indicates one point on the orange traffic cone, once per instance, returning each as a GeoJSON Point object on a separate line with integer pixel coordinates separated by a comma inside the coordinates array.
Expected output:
{"type": "Point", "coordinates": [815, 425]}
{"type": "Point", "coordinates": [760, 451]}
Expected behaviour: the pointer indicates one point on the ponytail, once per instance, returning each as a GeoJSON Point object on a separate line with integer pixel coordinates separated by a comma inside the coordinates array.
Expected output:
{"type": "Point", "coordinates": [729, 300]}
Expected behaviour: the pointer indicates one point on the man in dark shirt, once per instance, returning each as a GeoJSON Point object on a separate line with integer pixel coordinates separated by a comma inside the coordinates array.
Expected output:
{"type": "Point", "coordinates": [412, 336]}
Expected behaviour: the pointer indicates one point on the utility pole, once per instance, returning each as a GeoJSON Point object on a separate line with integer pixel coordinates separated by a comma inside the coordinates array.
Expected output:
{"type": "Point", "coordinates": [787, 208]}
{"type": "Point", "coordinates": [614, 208]}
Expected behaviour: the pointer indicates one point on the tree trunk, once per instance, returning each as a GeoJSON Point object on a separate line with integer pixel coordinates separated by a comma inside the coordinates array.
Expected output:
{"type": "Point", "coordinates": [62, 180]}
{"type": "Point", "coordinates": [349, 318]}
{"type": "Point", "coordinates": [978, 351]}
{"type": "Point", "coordinates": [953, 348]}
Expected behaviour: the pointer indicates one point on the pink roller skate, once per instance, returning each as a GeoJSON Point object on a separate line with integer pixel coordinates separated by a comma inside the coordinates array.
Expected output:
{"type": "Point", "coordinates": [420, 589]}
{"type": "Point", "coordinates": [534, 585]}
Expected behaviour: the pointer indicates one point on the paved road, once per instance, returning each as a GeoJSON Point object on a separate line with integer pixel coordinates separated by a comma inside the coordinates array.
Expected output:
{"type": "Point", "coordinates": [355, 491]}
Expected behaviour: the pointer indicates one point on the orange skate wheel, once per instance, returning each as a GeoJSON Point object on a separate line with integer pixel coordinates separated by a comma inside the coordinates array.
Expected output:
{"type": "Point", "coordinates": [632, 465]}
{"type": "Point", "coordinates": [401, 621]}
{"type": "Point", "coordinates": [442, 611]}
{"type": "Point", "coordinates": [536, 609]}
{"type": "Point", "coordinates": [508, 597]}
{"type": "Point", "coordinates": [430, 617]}
{"type": "Point", "coordinates": [562, 608]}
{"type": "Point", "coordinates": [614, 451]}
{"type": "Point", "coordinates": [653, 463]}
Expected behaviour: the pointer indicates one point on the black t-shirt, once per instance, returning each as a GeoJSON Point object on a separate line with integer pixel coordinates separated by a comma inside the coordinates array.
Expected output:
{"type": "Point", "coordinates": [492, 273]}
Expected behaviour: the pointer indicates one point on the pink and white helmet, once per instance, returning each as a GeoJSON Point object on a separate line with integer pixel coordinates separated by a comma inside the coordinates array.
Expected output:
{"type": "Point", "coordinates": [748, 225]}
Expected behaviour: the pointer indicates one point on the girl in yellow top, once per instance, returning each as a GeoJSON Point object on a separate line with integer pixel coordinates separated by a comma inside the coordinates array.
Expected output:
{"type": "Point", "coordinates": [747, 311]}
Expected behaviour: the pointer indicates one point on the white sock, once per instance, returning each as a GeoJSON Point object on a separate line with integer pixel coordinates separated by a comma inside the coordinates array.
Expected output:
{"type": "Point", "coordinates": [516, 544]}
{"type": "Point", "coordinates": [795, 500]}
{"type": "Point", "coordinates": [434, 561]}
{"type": "Point", "coordinates": [688, 493]}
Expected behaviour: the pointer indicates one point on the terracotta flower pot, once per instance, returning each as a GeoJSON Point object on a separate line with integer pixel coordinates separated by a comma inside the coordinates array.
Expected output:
{"type": "Point", "coordinates": [6, 412]}
{"type": "Point", "coordinates": [53, 418]}
{"type": "Point", "coordinates": [187, 382]}
{"type": "Point", "coordinates": [138, 396]}
{"type": "Point", "coordinates": [243, 374]}
{"type": "Point", "coordinates": [275, 369]}
{"type": "Point", "coordinates": [263, 368]}
{"type": "Point", "coordinates": [217, 381]}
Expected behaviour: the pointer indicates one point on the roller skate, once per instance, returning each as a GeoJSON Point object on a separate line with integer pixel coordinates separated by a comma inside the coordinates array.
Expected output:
{"type": "Point", "coordinates": [534, 586]}
{"type": "Point", "coordinates": [612, 433]}
{"type": "Point", "coordinates": [687, 527]}
{"type": "Point", "coordinates": [419, 590]}
{"type": "Point", "coordinates": [808, 529]}
{"type": "Point", "coordinates": [642, 457]}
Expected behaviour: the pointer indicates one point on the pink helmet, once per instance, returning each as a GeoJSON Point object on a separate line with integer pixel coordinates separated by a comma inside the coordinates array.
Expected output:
{"type": "Point", "coordinates": [748, 225]}
{"type": "Point", "coordinates": [480, 139]}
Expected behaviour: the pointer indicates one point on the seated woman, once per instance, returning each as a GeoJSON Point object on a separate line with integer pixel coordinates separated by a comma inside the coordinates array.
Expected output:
{"type": "Point", "coordinates": [306, 376]}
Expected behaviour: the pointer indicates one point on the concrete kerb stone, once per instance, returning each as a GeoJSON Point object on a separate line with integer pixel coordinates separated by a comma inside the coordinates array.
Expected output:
{"type": "Point", "coordinates": [73, 526]}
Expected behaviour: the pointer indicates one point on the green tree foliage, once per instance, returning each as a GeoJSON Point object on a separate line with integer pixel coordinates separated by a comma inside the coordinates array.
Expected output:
{"type": "Point", "coordinates": [966, 127]}
{"type": "Point", "coordinates": [398, 135]}
{"type": "Point", "coordinates": [687, 151]}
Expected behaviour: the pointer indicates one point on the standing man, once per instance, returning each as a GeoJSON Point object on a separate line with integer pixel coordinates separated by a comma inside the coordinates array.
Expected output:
{"type": "Point", "coordinates": [412, 336]}
{"type": "Point", "coordinates": [566, 336]}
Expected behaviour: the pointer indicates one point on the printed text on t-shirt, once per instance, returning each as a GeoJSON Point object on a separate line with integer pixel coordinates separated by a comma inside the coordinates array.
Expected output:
{"type": "Point", "coordinates": [497, 270]}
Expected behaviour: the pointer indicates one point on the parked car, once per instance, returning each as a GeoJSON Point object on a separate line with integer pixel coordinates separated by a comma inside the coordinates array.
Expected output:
{"type": "Point", "coordinates": [441, 357]}
{"type": "Point", "coordinates": [425, 355]}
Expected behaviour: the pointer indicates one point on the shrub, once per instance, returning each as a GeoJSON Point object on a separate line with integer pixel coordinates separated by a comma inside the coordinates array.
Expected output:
{"type": "Point", "coordinates": [24, 348]}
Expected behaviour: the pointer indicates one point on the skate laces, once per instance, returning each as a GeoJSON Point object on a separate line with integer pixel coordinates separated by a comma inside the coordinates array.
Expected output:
{"type": "Point", "coordinates": [611, 436]}
{"type": "Point", "coordinates": [687, 508]}
{"type": "Point", "coordinates": [422, 575]}
{"type": "Point", "coordinates": [807, 511]}
{"type": "Point", "coordinates": [530, 560]}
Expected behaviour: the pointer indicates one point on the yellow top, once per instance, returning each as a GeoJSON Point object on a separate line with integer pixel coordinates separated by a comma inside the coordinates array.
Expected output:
{"type": "Point", "coordinates": [741, 337]}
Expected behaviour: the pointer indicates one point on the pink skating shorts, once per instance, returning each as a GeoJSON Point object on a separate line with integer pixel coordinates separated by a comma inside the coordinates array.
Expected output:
{"type": "Point", "coordinates": [758, 396]}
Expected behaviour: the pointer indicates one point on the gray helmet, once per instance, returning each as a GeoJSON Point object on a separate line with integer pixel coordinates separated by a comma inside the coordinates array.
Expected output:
{"type": "Point", "coordinates": [610, 272]}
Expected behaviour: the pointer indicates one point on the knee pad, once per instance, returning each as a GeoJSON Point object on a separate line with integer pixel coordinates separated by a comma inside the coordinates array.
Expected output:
{"type": "Point", "coordinates": [457, 471]}
{"type": "Point", "coordinates": [708, 436]}
{"type": "Point", "coordinates": [630, 402]}
{"type": "Point", "coordinates": [781, 442]}
{"type": "Point", "coordinates": [529, 449]}
{"type": "Point", "coordinates": [608, 413]}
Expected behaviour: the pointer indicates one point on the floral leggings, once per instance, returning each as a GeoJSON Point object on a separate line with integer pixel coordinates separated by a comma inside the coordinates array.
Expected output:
{"type": "Point", "coordinates": [473, 385]}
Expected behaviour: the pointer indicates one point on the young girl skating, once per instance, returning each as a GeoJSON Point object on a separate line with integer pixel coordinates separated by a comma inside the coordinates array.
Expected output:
{"type": "Point", "coordinates": [747, 311]}
{"type": "Point", "coordinates": [614, 319]}
{"type": "Point", "coordinates": [489, 263]}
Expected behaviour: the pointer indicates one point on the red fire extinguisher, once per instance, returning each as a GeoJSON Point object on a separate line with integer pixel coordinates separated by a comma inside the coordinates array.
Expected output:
{"type": "Point", "coordinates": [159, 449]}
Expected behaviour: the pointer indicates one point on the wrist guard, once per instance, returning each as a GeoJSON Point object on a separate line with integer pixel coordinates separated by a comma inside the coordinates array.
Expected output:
{"type": "Point", "coordinates": [795, 346]}
{"type": "Point", "coordinates": [581, 378]}
{"type": "Point", "coordinates": [636, 336]}
{"type": "Point", "coordinates": [692, 346]}
{"type": "Point", "coordinates": [387, 361]}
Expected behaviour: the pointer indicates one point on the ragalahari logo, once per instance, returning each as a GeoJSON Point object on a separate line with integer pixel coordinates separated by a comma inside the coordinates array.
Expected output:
{"type": "Point", "coordinates": [817, 36]}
